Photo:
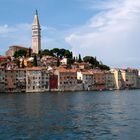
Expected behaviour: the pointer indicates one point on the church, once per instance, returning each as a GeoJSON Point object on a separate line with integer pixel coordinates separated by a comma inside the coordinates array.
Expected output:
{"type": "Point", "coordinates": [36, 39]}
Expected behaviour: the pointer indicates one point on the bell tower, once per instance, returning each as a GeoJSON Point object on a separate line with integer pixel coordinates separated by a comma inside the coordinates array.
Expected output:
{"type": "Point", "coordinates": [36, 34]}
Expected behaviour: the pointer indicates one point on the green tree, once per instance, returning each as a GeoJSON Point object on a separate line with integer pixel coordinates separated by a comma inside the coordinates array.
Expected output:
{"type": "Point", "coordinates": [74, 58]}
{"type": "Point", "coordinates": [47, 52]}
{"type": "Point", "coordinates": [61, 53]}
{"type": "Point", "coordinates": [80, 59]}
{"type": "Point", "coordinates": [58, 62]}
{"type": "Point", "coordinates": [35, 61]}
{"type": "Point", "coordinates": [55, 52]}
{"type": "Point", "coordinates": [30, 52]}
{"type": "Point", "coordinates": [104, 67]}
{"type": "Point", "coordinates": [90, 59]}
{"type": "Point", "coordinates": [40, 53]}
{"type": "Point", "coordinates": [20, 53]}
{"type": "Point", "coordinates": [22, 65]}
{"type": "Point", "coordinates": [18, 63]}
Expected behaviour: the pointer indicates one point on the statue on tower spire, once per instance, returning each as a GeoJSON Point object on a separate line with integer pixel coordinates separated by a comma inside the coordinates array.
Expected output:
{"type": "Point", "coordinates": [36, 12]}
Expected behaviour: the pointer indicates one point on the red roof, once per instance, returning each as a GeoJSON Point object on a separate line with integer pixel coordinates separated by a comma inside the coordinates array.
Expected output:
{"type": "Point", "coordinates": [34, 68]}
{"type": "Point", "coordinates": [66, 70]}
{"type": "Point", "coordinates": [3, 57]}
{"type": "Point", "coordinates": [1, 67]}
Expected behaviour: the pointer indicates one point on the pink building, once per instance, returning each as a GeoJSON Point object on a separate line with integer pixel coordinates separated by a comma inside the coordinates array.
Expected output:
{"type": "Point", "coordinates": [99, 80]}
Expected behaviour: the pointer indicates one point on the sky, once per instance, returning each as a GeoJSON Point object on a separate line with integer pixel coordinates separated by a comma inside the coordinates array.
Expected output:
{"type": "Point", "coordinates": [107, 29]}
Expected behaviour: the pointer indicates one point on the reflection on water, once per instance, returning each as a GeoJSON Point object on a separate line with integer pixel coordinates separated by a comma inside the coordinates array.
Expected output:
{"type": "Point", "coordinates": [80, 116]}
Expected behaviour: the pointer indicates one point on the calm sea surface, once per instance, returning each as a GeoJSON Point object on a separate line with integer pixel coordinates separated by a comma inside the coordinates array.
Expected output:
{"type": "Point", "coordinates": [109, 115]}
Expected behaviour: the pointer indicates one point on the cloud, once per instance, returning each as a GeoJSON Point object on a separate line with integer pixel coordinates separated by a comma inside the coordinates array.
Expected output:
{"type": "Point", "coordinates": [14, 34]}
{"type": "Point", "coordinates": [21, 34]}
{"type": "Point", "coordinates": [112, 35]}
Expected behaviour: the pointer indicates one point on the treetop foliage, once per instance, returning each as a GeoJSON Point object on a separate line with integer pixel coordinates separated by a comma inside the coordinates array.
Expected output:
{"type": "Point", "coordinates": [64, 53]}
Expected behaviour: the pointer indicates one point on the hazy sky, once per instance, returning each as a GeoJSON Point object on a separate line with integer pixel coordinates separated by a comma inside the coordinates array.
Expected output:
{"type": "Point", "coordinates": [107, 29]}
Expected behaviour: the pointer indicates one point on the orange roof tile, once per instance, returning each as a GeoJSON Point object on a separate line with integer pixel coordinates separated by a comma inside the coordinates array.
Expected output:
{"type": "Point", "coordinates": [34, 68]}
{"type": "Point", "coordinates": [66, 70]}
{"type": "Point", "coordinates": [87, 73]}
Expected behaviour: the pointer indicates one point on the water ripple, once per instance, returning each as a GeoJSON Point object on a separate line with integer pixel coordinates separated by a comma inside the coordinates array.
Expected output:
{"type": "Point", "coordinates": [71, 116]}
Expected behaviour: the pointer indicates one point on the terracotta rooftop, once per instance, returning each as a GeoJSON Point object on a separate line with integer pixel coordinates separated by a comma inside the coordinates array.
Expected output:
{"type": "Point", "coordinates": [3, 57]}
{"type": "Point", "coordinates": [87, 73]}
{"type": "Point", "coordinates": [28, 69]}
{"type": "Point", "coordinates": [34, 68]}
{"type": "Point", "coordinates": [66, 70]}
{"type": "Point", "coordinates": [1, 67]}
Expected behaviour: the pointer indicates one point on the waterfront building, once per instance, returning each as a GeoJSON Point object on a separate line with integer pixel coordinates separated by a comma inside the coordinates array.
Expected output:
{"type": "Point", "coordinates": [20, 80]}
{"type": "Point", "coordinates": [99, 80]}
{"type": "Point", "coordinates": [33, 79]}
{"type": "Point", "coordinates": [67, 80]}
{"type": "Point", "coordinates": [131, 78]}
{"type": "Point", "coordinates": [119, 78]}
{"type": "Point", "coordinates": [45, 77]}
{"type": "Point", "coordinates": [2, 79]}
{"type": "Point", "coordinates": [36, 34]}
{"type": "Point", "coordinates": [53, 79]}
{"type": "Point", "coordinates": [109, 80]}
{"type": "Point", "coordinates": [37, 79]}
{"type": "Point", "coordinates": [87, 79]}
{"type": "Point", "coordinates": [14, 80]}
{"type": "Point", "coordinates": [10, 80]}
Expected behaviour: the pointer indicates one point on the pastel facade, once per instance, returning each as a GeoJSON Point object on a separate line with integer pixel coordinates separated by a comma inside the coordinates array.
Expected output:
{"type": "Point", "coordinates": [99, 80]}
{"type": "Point", "coordinates": [67, 80]}
{"type": "Point", "coordinates": [45, 80]}
{"type": "Point", "coordinates": [119, 78]}
{"type": "Point", "coordinates": [109, 80]}
{"type": "Point", "coordinates": [37, 80]}
{"type": "Point", "coordinates": [131, 78]}
{"type": "Point", "coordinates": [87, 79]}
{"type": "Point", "coordinates": [2, 79]}
{"type": "Point", "coordinates": [10, 81]}
{"type": "Point", "coordinates": [20, 80]}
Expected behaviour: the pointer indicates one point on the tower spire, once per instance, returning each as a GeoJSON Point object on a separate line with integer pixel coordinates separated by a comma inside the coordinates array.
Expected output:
{"type": "Point", "coordinates": [36, 34]}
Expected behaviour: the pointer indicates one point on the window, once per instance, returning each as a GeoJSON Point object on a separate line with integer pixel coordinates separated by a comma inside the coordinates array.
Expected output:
{"type": "Point", "coordinates": [35, 32]}
{"type": "Point", "coordinates": [46, 85]}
